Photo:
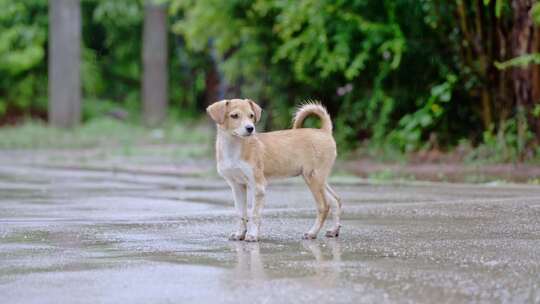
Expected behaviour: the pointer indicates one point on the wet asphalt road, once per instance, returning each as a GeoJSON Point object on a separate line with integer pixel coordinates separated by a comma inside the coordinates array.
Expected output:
{"type": "Point", "coordinates": [97, 236]}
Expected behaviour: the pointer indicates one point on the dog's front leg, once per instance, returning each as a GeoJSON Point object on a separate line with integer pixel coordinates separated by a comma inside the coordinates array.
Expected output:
{"type": "Point", "coordinates": [239, 193]}
{"type": "Point", "coordinates": [255, 197]}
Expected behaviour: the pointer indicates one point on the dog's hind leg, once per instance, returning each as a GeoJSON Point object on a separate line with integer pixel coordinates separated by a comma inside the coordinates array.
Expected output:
{"type": "Point", "coordinates": [316, 184]}
{"type": "Point", "coordinates": [332, 196]}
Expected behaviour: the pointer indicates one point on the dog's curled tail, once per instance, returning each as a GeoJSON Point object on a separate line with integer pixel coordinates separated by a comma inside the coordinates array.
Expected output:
{"type": "Point", "coordinates": [312, 108]}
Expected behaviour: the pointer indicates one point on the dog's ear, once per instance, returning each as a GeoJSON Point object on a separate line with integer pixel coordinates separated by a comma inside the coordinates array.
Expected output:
{"type": "Point", "coordinates": [218, 110]}
{"type": "Point", "coordinates": [255, 107]}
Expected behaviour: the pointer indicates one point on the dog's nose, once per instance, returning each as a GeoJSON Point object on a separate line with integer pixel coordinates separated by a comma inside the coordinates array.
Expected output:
{"type": "Point", "coordinates": [249, 129]}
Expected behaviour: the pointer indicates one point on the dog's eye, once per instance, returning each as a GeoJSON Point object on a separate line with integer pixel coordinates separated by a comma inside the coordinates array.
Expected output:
{"type": "Point", "coordinates": [234, 116]}
{"type": "Point", "coordinates": [251, 115]}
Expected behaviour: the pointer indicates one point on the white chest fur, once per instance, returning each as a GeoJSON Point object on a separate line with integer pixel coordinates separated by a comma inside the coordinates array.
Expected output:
{"type": "Point", "coordinates": [230, 165]}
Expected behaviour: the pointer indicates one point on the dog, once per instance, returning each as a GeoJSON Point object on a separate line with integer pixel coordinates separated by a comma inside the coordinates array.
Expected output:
{"type": "Point", "coordinates": [247, 160]}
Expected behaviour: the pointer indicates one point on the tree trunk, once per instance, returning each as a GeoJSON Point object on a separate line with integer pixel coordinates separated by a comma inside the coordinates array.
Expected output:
{"type": "Point", "coordinates": [64, 63]}
{"type": "Point", "coordinates": [522, 43]}
{"type": "Point", "coordinates": [155, 72]}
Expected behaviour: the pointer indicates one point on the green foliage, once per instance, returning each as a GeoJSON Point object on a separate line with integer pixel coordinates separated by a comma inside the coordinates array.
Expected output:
{"type": "Point", "coordinates": [499, 4]}
{"type": "Point", "coordinates": [23, 36]}
{"type": "Point", "coordinates": [535, 12]}
{"type": "Point", "coordinates": [353, 55]}
{"type": "Point", "coordinates": [336, 27]}
{"type": "Point", "coordinates": [411, 127]}
{"type": "Point", "coordinates": [111, 68]}
{"type": "Point", "coordinates": [521, 61]}
{"type": "Point", "coordinates": [508, 144]}
{"type": "Point", "coordinates": [393, 73]}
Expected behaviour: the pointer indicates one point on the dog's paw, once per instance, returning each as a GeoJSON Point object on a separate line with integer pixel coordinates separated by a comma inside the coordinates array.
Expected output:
{"type": "Point", "coordinates": [334, 233]}
{"type": "Point", "coordinates": [251, 238]}
{"type": "Point", "coordinates": [309, 236]}
{"type": "Point", "coordinates": [236, 236]}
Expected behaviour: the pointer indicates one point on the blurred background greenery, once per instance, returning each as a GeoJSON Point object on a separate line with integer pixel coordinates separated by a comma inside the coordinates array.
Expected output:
{"type": "Point", "coordinates": [399, 77]}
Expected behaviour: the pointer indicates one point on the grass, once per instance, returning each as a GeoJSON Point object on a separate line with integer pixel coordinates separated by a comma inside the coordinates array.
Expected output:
{"type": "Point", "coordinates": [108, 139]}
{"type": "Point", "coordinates": [102, 132]}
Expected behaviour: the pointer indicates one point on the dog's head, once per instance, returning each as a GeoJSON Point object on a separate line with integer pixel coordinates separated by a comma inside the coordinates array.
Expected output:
{"type": "Point", "coordinates": [235, 116]}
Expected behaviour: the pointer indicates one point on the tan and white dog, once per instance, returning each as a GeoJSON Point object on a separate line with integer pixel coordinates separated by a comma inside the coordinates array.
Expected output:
{"type": "Point", "coordinates": [247, 160]}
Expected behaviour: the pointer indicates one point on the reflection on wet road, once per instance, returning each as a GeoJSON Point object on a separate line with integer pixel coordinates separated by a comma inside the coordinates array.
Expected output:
{"type": "Point", "coordinates": [107, 237]}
